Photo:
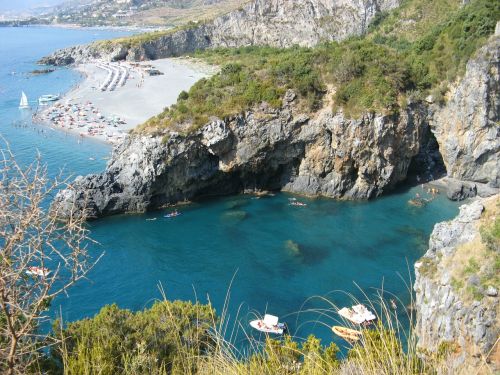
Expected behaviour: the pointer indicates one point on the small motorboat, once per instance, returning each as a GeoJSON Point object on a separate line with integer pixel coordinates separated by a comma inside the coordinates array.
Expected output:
{"type": "Point", "coordinates": [173, 214]}
{"type": "Point", "coordinates": [38, 271]}
{"type": "Point", "coordinates": [359, 314]}
{"type": "Point", "coordinates": [269, 324]}
{"type": "Point", "coordinates": [152, 219]}
{"type": "Point", "coordinates": [46, 99]}
{"type": "Point", "coordinates": [347, 333]}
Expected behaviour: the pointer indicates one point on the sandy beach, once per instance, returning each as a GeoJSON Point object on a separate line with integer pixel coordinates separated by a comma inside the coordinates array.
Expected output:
{"type": "Point", "coordinates": [116, 97]}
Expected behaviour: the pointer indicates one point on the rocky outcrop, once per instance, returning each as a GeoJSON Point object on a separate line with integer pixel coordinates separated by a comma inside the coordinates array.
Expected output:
{"type": "Point", "coordinates": [467, 126]}
{"type": "Point", "coordinates": [279, 23]}
{"type": "Point", "coordinates": [447, 313]}
{"type": "Point", "coordinates": [263, 149]}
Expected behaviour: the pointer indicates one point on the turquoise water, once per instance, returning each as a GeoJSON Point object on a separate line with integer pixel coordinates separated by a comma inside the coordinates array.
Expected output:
{"type": "Point", "coordinates": [279, 255]}
{"type": "Point", "coordinates": [20, 48]}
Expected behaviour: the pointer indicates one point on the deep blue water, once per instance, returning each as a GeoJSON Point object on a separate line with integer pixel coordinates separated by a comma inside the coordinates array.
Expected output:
{"type": "Point", "coordinates": [343, 247]}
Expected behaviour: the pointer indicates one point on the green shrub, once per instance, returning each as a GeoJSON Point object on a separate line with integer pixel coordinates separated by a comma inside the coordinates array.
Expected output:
{"type": "Point", "coordinates": [490, 235]}
{"type": "Point", "coordinates": [154, 340]}
{"type": "Point", "coordinates": [183, 96]}
{"type": "Point", "coordinates": [471, 268]}
{"type": "Point", "coordinates": [428, 267]}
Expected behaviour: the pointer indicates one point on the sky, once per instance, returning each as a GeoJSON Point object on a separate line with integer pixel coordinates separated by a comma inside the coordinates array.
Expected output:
{"type": "Point", "coordinates": [17, 5]}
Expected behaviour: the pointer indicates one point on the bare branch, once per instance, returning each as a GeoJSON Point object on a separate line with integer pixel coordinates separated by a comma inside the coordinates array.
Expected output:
{"type": "Point", "coordinates": [40, 258]}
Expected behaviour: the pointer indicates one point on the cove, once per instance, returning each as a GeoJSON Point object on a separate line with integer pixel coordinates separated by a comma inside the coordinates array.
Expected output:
{"type": "Point", "coordinates": [279, 255]}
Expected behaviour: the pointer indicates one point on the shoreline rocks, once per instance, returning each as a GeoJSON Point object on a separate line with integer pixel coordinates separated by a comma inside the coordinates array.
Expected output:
{"type": "Point", "coordinates": [262, 149]}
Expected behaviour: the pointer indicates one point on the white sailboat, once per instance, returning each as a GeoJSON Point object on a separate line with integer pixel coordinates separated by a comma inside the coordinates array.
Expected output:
{"type": "Point", "coordinates": [23, 104]}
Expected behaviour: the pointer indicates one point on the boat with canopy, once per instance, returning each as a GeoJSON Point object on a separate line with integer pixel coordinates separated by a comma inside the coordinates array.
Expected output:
{"type": "Point", "coordinates": [358, 314]}
{"type": "Point", "coordinates": [270, 324]}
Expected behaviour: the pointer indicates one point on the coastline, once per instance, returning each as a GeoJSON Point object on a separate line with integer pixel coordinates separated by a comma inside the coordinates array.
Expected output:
{"type": "Point", "coordinates": [113, 98]}
{"type": "Point", "coordinates": [75, 26]}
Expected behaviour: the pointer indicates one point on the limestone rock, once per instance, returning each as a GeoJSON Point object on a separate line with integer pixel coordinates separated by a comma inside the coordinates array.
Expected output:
{"type": "Point", "coordinates": [466, 127]}
{"type": "Point", "coordinates": [264, 149]}
{"type": "Point", "coordinates": [442, 312]}
{"type": "Point", "coordinates": [279, 23]}
{"type": "Point", "coordinates": [460, 190]}
{"type": "Point", "coordinates": [491, 291]}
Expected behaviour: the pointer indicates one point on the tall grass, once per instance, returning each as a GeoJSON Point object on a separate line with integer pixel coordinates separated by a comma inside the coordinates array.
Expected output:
{"type": "Point", "coordinates": [389, 347]}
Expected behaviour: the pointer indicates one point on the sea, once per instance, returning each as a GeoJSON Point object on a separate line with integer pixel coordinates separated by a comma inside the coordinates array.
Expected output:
{"type": "Point", "coordinates": [245, 255]}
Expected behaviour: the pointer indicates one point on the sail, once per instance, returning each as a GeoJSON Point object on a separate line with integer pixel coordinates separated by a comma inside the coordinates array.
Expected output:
{"type": "Point", "coordinates": [24, 101]}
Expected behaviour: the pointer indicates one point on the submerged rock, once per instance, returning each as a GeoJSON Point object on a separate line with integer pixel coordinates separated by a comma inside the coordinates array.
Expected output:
{"type": "Point", "coordinates": [235, 215]}
{"type": "Point", "coordinates": [41, 71]}
{"type": "Point", "coordinates": [293, 247]}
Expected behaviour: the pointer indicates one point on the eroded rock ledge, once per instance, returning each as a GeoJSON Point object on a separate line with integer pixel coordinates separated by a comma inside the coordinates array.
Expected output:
{"type": "Point", "coordinates": [264, 149]}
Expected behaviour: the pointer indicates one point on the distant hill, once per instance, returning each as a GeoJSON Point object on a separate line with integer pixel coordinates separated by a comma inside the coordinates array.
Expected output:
{"type": "Point", "coordinates": [161, 13]}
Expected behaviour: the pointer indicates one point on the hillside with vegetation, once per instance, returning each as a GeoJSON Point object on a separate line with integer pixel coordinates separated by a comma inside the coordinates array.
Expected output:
{"type": "Point", "coordinates": [379, 72]}
{"type": "Point", "coordinates": [383, 83]}
{"type": "Point", "coordinates": [139, 13]}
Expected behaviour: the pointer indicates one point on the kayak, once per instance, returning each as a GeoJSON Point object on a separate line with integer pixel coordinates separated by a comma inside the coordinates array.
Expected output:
{"type": "Point", "coordinates": [172, 214]}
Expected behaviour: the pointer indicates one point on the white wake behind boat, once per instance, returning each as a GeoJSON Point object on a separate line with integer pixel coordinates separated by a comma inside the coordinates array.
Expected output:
{"type": "Point", "coordinates": [269, 324]}
{"type": "Point", "coordinates": [23, 104]}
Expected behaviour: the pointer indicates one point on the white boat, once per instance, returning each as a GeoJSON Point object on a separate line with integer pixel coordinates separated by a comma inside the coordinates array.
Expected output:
{"type": "Point", "coordinates": [359, 314]}
{"type": "Point", "coordinates": [269, 324]}
{"type": "Point", "coordinates": [38, 271]}
{"type": "Point", "coordinates": [45, 99]}
{"type": "Point", "coordinates": [23, 104]}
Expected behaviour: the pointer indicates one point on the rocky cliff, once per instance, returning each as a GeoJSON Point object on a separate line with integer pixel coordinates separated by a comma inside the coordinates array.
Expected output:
{"type": "Point", "coordinates": [263, 149]}
{"type": "Point", "coordinates": [467, 126]}
{"type": "Point", "coordinates": [457, 288]}
{"type": "Point", "coordinates": [316, 154]}
{"type": "Point", "coordinates": [279, 23]}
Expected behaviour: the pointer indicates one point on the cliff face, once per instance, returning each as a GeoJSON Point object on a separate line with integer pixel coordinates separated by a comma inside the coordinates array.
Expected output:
{"type": "Point", "coordinates": [279, 23]}
{"type": "Point", "coordinates": [467, 126]}
{"type": "Point", "coordinates": [263, 149]}
{"type": "Point", "coordinates": [456, 296]}
{"type": "Point", "coordinates": [283, 23]}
